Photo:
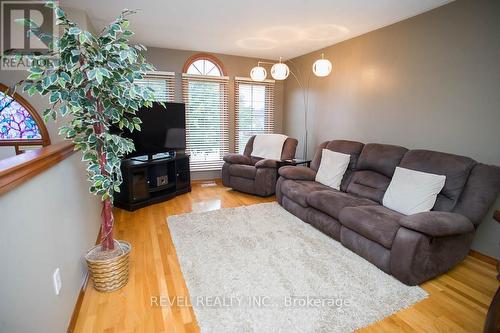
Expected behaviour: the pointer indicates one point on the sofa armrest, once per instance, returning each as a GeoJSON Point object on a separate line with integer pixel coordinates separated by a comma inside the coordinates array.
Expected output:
{"type": "Point", "coordinates": [266, 163]}
{"type": "Point", "coordinates": [438, 224]}
{"type": "Point", "coordinates": [237, 159]}
{"type": "Point", "coordinates": [297, 173]}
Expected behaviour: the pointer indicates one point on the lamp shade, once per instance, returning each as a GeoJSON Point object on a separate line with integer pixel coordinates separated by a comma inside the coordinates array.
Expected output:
{"type": "Point", "coordinates": [280, 71]}
{"type": "Point", "coordinates": [322, 67]}
{"type": "Point", "coordinates": [258, 73]}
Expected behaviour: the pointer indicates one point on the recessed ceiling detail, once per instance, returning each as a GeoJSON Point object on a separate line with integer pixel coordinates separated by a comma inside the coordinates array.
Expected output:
{"type": "Point", "coordinates": [263, 29]}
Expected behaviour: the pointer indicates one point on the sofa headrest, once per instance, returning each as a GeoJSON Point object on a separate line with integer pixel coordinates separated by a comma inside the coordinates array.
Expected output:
{"type": "Point", "coordinates": [352, 148]}
{"type": "Point", "coordinates": [456, 169]}
{"type": "Point", "coordinates": [380, 158]}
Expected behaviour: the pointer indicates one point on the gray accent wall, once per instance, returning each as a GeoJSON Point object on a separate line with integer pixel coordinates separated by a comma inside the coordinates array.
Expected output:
{"type": "Point", "coordinates": [431, 81]}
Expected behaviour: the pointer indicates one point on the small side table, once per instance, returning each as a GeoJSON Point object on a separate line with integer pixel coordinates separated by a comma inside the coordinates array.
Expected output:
{"type": "Point", "coordinates": [294, 162]}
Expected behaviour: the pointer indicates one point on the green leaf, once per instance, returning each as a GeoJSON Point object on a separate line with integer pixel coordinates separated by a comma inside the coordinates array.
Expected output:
{"type": "Point", "coordinates": [47, 111]}
{"type": "Point", "coordinates": [78, 78]}
{"type": "Point", "coordinates": [127, 33]}
{"type": "Point", "coordinates": [105, 72]}
{"type": "Point", "coordinates": [54, 97]}
{"type": "Point", "coordinates": [64, 110]}
{"type": "Point", "coordinates": [92, 74]}
{"type": "Point", "coordinates": [59, 13]}
{"type": "Point", "coordinates": [35, 70]}
{"type": "Point", "coordinates": [62, 82]}
{"type": "Point", "coordinates": [89, 156]}
{"type": "Point", "coordinates": [65, 76]}
{"type": "Point", "coordinates": [74, 31]}
{"type": "Point", "coordinates": [34, 76]}
{"type": "Point", "coordinates": [83, 38]}
{"type": "Point", "coordinates": [123, 55]}
{"type": "Point", "coordinates": [98, 77]}
{"type": "Point", "coordinates": [24, 22]}
{"type": "Point", "coordinates": [70, 134]}
{"type": "Point", "coordinates": [32, 90]}
{"type": "Point", "coordinates": [53, 78]}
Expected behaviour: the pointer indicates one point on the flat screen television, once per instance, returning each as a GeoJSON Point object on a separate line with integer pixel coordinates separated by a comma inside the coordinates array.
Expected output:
{"type": "Point", "coordinates": [163, 130]}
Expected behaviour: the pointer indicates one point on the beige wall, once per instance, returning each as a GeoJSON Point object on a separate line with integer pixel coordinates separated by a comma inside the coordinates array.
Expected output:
{"type": "Point", "coordinates": [174, 60]}
{"type": "Point", "coordinates": [431, 81]}
{"type": "Point", "coordinates": [41, 232]}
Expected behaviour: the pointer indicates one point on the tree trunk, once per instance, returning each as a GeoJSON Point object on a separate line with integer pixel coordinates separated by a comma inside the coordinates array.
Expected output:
{"type": "Point", "coordinates": [107, 241]}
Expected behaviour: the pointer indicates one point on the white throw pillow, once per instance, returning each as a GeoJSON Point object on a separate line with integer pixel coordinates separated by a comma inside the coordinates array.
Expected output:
{"type": "Point", "coordinates": [332, 168]}
{"type": "Point", "coordinates": [412, 192]}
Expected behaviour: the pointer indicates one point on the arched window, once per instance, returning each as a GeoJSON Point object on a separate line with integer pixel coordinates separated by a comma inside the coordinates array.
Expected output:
{"type": "Point", "coordinates": [205, 94]}
{"type": "Point", "coordinates": [20, 124]}
{"type": "Point", "coordinates": [203, 64]}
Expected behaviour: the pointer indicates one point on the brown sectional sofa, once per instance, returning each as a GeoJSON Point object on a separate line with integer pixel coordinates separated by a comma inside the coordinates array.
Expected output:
{"type": "Point", "coordinates": [254, 175]}
{"type": "Point", "coordinates": [412, 248]}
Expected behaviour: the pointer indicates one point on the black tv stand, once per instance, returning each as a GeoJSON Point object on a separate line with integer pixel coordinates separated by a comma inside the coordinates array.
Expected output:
{"type": "Point", "coordinates": [159, 156]}
{"type": "Point", "coordinates": [150, 181]}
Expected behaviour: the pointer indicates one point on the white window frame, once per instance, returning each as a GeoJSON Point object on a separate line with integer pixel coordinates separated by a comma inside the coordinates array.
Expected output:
{"type": "Point", "coordinates": [269, 111]}
{"type": "Point", "coordinates": [204, 155]}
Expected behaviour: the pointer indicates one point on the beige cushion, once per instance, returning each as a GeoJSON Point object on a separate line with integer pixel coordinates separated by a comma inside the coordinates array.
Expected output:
{"type": "Point", "coordinates": [332, 167]}
{"type": "Point", "coordinates": [412, 192]}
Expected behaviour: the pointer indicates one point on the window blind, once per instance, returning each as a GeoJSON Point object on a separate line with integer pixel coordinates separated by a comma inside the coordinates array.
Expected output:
{"type": "Point", "coordinates": [207, 120]}
{"type": "Point", "coordinates": [254, 110]}
{"type": "Point", "coordinates": [163, 84]}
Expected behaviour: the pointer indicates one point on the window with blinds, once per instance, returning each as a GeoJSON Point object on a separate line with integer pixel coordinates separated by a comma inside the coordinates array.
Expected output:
{"type": "Point", "coordinates": [207, 120]}
{"type": "Point", "coordinates": [254, 110]}
{"type": "Point", "coordinates": [162, 83]}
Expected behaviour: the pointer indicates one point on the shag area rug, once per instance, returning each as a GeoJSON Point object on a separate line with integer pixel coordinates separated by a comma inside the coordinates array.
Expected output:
{"type": "Point", "coordinates": [261, 269]}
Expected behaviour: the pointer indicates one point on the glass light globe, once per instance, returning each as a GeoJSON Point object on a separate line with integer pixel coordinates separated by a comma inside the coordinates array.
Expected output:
{"type": "Point", "coordinates": [322, 67]}
{"type": "Point", "coordinates": [258, 73]}
{"type": "Point", "coordinates": [280, 71]}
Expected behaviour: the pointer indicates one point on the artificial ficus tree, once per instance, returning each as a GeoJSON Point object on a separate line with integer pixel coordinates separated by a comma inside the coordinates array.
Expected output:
{"type": "Point", "coordinates": [92, 82]}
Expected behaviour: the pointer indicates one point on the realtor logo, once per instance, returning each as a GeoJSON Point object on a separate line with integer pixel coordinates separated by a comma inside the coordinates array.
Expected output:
{"type": "Point", "coordinates": [16, 39]}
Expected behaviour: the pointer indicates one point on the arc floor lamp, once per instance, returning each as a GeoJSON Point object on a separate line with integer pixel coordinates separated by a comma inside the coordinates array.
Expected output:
{"type": "Point", "coordinates": [280, 71]}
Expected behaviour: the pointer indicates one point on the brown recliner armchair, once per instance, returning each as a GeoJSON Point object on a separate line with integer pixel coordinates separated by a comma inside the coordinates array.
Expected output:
{"type": "Point", "coordinates": [254, 175]}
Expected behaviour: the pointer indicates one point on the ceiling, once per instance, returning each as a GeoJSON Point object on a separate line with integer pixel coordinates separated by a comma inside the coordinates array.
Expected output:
{"type": "Point", "coordinates": [256, 28]}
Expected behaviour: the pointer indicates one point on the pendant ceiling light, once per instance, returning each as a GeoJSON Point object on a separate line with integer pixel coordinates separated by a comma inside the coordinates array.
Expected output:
{"type": "Point", "coordinates": [280, 71]}
{"type": "Point", "coordinates": [322, 67]}
{"type": "Point", "coordinates": [258, 73]}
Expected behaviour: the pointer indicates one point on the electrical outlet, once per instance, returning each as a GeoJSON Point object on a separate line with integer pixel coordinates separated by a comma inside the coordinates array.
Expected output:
{"type": "Point", "coordinates": [56, 280]}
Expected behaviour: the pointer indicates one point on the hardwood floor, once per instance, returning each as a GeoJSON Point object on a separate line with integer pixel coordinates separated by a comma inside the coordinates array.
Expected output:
{"type": "Point", "coordinates": [458, 300]}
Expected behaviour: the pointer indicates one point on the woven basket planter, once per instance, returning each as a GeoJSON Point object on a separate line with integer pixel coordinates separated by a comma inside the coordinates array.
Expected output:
{"type": "Point", "coordinates": [109, 272]}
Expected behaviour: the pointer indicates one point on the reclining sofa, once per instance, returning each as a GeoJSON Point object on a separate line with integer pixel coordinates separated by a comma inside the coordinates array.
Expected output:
{"type": "Point", "coordinates": [412, 248]}
{"type": "Point", "coordinates": [254, 175]}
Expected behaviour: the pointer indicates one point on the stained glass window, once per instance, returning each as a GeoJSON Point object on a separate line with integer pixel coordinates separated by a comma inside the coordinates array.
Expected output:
{"type": "Point", "coordinates": [21, 127]}
{"type": "Point", "coordinates": [16, 123]}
